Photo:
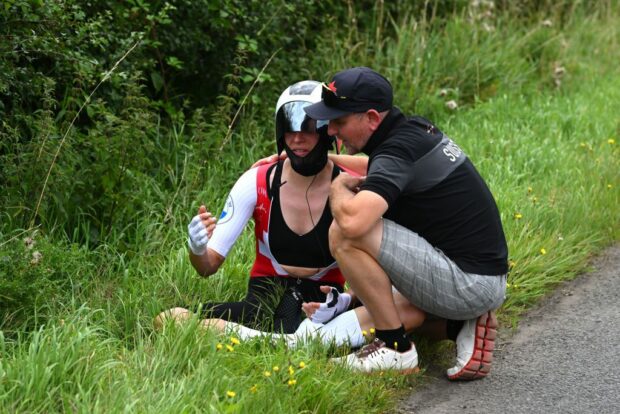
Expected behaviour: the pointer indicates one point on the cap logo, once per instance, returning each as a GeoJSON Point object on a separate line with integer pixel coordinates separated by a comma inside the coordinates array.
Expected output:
{"type": "Point", "coordinates": [329, 93]}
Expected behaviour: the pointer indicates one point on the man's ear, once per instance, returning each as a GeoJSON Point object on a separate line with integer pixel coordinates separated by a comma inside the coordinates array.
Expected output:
{"type": "Point", "coordinates": [374, 119]}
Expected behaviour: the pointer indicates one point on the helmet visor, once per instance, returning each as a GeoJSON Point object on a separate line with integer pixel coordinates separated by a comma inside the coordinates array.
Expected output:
{"type": "Point", "coordinates": [292, 118]}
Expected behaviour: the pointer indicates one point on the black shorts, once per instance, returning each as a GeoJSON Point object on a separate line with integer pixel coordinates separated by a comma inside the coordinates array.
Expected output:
{"type": "Point", "coordinates": [271, 303]}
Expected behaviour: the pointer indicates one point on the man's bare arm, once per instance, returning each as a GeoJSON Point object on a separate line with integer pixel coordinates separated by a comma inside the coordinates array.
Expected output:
{"type": "Point", "coordinates": [358, 164]}
{"type": "Point", "coordinates": [354, 211]}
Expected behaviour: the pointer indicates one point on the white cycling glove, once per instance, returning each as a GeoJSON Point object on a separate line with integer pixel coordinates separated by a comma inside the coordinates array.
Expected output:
{"type": "Point", "coordinates": [335, 303]}
{"type": "Point", "coordinates": [198, 237]}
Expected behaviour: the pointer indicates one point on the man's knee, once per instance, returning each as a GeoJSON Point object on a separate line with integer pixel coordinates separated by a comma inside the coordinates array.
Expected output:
{"type": "Point", "coordinates": [340, 244]}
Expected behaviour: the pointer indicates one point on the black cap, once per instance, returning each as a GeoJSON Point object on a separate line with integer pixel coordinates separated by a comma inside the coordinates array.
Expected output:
{"type": "Point", "coordinates": [353, 90]}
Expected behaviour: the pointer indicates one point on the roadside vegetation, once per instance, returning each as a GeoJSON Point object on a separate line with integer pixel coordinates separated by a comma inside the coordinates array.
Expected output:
{"type": "Point", "coordinates": [118, 120]}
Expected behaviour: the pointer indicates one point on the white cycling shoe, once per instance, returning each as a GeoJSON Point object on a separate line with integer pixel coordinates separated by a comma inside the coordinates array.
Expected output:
{"type": "Point", "coordinates": [376, 356]}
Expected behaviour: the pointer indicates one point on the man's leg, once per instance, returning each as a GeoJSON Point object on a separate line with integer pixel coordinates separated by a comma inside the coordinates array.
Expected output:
{"type": "Point", "coordinates": [409, 315]}
{"type": "Point", "coordinates": [356, 326]}
{"type": "Point", "coordinates": [357, 260]}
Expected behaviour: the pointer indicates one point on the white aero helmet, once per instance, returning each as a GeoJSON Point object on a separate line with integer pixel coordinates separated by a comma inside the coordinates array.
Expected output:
{"type": "Point", "coordinates": [290, 114]}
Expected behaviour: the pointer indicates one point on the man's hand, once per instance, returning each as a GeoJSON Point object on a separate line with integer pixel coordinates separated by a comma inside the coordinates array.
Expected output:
{"type": "Point", "coordinates": [270, 159]}
{"type": "Point", "coordinates": [334, 305]}
{"type": "Point", "coordinates": [356, 211]}
{"type": "Point", "coordinates": [200, 229]}
{"type": "Point", "coordinates": [347, 181]}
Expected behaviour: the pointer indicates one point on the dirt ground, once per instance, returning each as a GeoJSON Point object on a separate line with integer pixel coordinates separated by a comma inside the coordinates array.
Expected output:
{"type": "Point", "coordinates": [563, 358]}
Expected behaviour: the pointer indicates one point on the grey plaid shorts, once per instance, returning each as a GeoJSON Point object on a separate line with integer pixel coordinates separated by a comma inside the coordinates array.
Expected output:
{"type": "Point", "coordinates": [433, 282]}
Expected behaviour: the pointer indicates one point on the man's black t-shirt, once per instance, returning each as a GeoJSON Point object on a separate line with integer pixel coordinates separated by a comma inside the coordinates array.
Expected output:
{"type": "Point", "coordinates": [433, 189]}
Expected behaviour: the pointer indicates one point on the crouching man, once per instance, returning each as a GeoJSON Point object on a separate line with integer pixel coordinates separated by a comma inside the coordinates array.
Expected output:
{"type": "Point", "coordinates": [422, 219]}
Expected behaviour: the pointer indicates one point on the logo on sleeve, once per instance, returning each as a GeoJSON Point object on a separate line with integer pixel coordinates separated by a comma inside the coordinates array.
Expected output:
{"type": "Point", "coordinates": [229, 210]}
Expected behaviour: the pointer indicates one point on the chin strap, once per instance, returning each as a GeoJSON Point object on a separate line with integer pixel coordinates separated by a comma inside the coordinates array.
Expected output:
{"type": "Point", "coordinates": [313, 162]}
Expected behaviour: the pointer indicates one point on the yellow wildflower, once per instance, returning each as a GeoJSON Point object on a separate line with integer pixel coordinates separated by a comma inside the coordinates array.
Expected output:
{"type": "Point", "coordinates": [609, 186]}
{"type": "Point", "coordinates": [291, 371]}
{"type": "Point", "coordinates": [219, 346]}
{"type": "Point", "coordinates": [372, 331]}
{"type": "Point", "coordinates": [508, 285]}
{"type": "Point", "coordinates": [267, 373]}
{"type": "Point", "coordinates": [543, 251]}
{"type": "Point", "coordinates": [231, 393]}
{"type": "Point", "coordinates": [302, 364]}
{"type": "Point", "coordinates": [518, 216]}
{"type": "Point", "coordinates": [276, 368]}
{"type": "Point", "coordinates": [254, 388]}
{"type": "Point", "coordinates": [230, 348]}
{"type": "Point", "coordinates": [234, 341]}
{"type": "Point", "coordinates": [611, 141]}
{"type": "Point", "coordinates": [529, 189]}
{"type": "Point", "coordinates": [292, 382]}
{"type": "Point", "coordinates": [364, 333]}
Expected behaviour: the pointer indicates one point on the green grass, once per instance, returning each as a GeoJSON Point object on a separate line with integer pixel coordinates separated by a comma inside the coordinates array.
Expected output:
{"type": "Point", "coordinates": [555, 178]}
{"type": "Point", "coordinates": [76, 365]}
{"type": "Point", "coordinates": [549, 154]}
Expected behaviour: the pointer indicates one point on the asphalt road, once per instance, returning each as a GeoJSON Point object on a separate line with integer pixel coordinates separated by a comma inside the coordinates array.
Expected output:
{"type": "Point", "coordinates": [564, 357]}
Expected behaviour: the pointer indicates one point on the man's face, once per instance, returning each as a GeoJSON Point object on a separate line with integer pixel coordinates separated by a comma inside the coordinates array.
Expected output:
{"type": "Point", "coordinates": [353, 130]}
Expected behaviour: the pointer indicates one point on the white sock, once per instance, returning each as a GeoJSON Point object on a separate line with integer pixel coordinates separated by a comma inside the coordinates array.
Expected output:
{"type": "Point", "coordinates": [246, 333]}
{"type": "Point", "coordinates": [307, 328]}
{"type": "Point", "coordinates": [345, 329]}
{"type": "Point", "coordinates": [306, 331]}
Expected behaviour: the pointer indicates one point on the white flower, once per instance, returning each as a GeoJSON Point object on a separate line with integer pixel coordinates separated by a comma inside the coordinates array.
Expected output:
{"type": "Point", "coordinates": [452, 105]}
{"type": "Point", "coordinates": [29, 242]}
{"type": "Point", "coordinates": [36, 257]}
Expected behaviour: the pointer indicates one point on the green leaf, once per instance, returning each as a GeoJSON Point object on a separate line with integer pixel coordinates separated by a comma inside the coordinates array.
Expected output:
{"type": "Point", "coordinates": [174, 62]}
{"type": "Point", "coordinates": [158, 81]}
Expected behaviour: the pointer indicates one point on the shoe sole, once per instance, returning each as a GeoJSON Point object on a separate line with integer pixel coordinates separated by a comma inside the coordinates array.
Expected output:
{"type": "Point", "coordinates": [479, 365]}
{"type": "Point", "coordinates": [379, 372]}
{"type": "Point", "coordinates": [408, 371]}
{"type": "Point", "coordinates": [401, 371]}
